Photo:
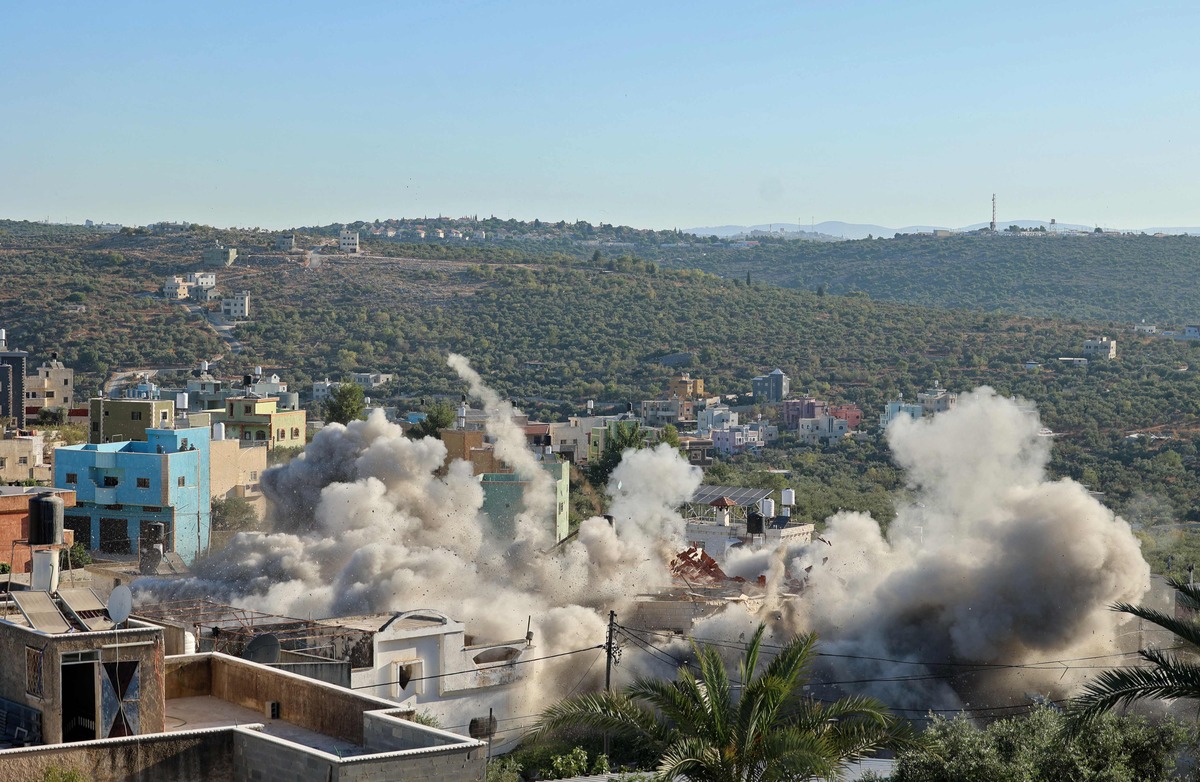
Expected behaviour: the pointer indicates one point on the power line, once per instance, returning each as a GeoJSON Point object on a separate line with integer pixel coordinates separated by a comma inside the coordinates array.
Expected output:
{"type": "Point", "coordinates": [477, 670]}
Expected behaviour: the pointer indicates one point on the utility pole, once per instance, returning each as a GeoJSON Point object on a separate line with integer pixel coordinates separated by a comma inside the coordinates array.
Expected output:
{"type": "Point", "coordinates": [608, 648]}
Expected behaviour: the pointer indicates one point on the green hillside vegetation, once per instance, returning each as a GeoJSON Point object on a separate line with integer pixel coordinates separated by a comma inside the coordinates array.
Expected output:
{"type": "Point", "coordinates": [1125, 278]}
{"type": "Point", "coordinates": [553, 335]}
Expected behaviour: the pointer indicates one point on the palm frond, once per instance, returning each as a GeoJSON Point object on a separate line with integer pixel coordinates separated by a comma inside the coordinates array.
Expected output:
{"type": "Point", "coordinates": [1187, 629]}
{"type": "Point", "coordinates": [1171, 679]}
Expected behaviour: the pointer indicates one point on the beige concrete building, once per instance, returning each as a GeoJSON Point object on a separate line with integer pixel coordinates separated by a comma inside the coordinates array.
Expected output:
{"type": "Point", "coordinates": [116, 420]}
{"type": "Point", "coordinates": [21, 458]}
{"type": "Point", "coordinates": [53, 386]}
{"type": "Point", "coordinates": [259, 421]}
{"type": "Point", "coordinates": [235, 471]}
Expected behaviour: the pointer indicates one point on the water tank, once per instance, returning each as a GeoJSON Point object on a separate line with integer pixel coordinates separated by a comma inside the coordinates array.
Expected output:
{"type": "Point", "coordinates": [766, 506]}
{"type": "Point", "coordinates": [788, 497]}
{"type": "Point", "coordinates": [247, 380]}
{"type": "Point", "coordinates": [218, 430]}
{"type": "Point", "coordinates": [45, 520]}
{"type": "Point", "coordinates": [754, 523]}
{"type": "Point", "coordinates": [203, 366]}
{"type": "Point", "coordinates": [289, 400]}
{"type": "Point", "coordinates": [45, 571]}
{"type": "Point", "coordinates": [258, 371]}
{"type": "Point", "coordinates": [189, 643]}
{"type": "Point", "coordinates": [181, 401]}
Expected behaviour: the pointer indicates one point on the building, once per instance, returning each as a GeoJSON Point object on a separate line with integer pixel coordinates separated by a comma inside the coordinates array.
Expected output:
{"type": "Point", "coordinates": [852, 414]}
{"type": "Point", "coordinates": [1191, 332]}
{"type": "Point", "coordinates": [175, 288]}
{"type": "Point", "coordinates": [1100, 348]}
{"type": "Point", "coordinates": [13, 366]}
{"type": "Point", "coordinates": [205, 295]}
{"type": "Point", "coordinates": [897, 408]}
{"type": "Point", "coordinates": [18, 536]}
{"type": "Point", "coordinates": [734, 440]}
{"type": "Point", "coordinates": [21, 457]}
{"type": "Point", "coordinates": [936, 399]}
{"type": "Point", "coordinates": [236, 306]}
{"type": "Point", "coordinates": [220, 255]}
{"type": "Point", "coordinates": [372, 379]}
{"type": "Point", "coordinates": [123, 488]}
{"type": "Point", "coordinates": [773, 387]}
{"type": "Point", "coordinates": [236, 471]}
{"type": "Point", "coordinates": [201, 279]}
{"type": "Point", "coordinates": [822, 429]}
{"type": "Point", "coordinates": [677, 412]}
{"type": "Point", "coordinates": [698, 450]}
{"type": "Point", "coordinates": [685, 386]}
{"type": "Point", "coordinates": [115, 420]}
{"type": "Point", "coordinates": [52, 386]}
{"type": "Point", "coordinates": [1145, 328]}
{"type": "Point", "coordinates": [792, 411]}
{"type": "Point", "coordinates": [259, 421]}
{"type": "Point", "coordinates": [715, 417]}
{"type": "Point", "coordinates": [1073, 361]}
{"type": "Point", "coordinates": [323, 389]}
{"type": "Point", "coordinates": [504, 498]}
{"type": "Point", "coordinates": [721, 518]}
{"type": "Point", "coordinates": [348, 241]}
{"type": "Point", "coordinates": [286, 243]}
{"type": "Point", "coordinates": [143, 714]}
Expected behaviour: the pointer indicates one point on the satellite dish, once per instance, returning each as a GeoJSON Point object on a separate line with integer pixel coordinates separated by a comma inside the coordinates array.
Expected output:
{"type": "Point", "coordinates": [120, 603]}
{"type": "Point", "coordinates": [262, 649]}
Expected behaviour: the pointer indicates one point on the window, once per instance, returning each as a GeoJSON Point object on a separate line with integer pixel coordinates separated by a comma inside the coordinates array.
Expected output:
{"type": "Point", "coordinates": [143, 483]}
{"type": "Point", "coordinates": [247, 409]}
{"type": "Point", "coordinates": [295, 432]}
{"type": "Point", "coordinates": [3, 461]}
{"type": "Point", "coordinates": [95, 426]}
{"type": "Point", "coordinates": [33, 671]}
{"type": "Point", "coordinates": [22, 460]}
{"type": "Point", "coordinates": [182, 481]}
{"type": "Point", "coordinates": [162, 416]}
{"type": "Point", "coordinates": [49, 394]}
{"type": "Point", "coordinates": [254, 475]}
{"type": "Point", "coordinates": [246, 434]}
{"type": "Point", "coordinates": [111, 480]}
{"type": "Point", "coordinates": [282, 434]}
{"type": "Point", "coordinates": [136, 415]}
{"type": "Point", "coordinates": [66, 382]}
{"type": "Point", "coordinates": [72, 477]}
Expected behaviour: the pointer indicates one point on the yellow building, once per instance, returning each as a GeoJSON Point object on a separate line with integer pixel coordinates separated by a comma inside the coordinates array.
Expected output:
{"type": "Point", "coordinates": [685, 386]}
{"type": "Point", "coordinates": [257, 419]}
{"type": "Point", "coordinates": [117, 420]}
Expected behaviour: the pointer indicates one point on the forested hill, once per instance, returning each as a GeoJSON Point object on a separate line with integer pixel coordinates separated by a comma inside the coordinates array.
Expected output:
{"type": "Point", "coordinates": [1127, 278]}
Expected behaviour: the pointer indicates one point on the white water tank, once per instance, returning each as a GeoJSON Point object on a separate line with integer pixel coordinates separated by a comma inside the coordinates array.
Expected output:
{"type": "Point", "coordinates": [218, 430]}
{"type": "Point", "coordinates": [766, 506]}
{"type": "Point", "coordinates": [203, 366]}
{"type": "Point", "coordinates": [189, 643]}
{"type": "Point", "coordinates": [787, 497]}
{"type": "Point", "coordinates": [181, 402]}
{"type": "Point", "coordinates": [45, 571]}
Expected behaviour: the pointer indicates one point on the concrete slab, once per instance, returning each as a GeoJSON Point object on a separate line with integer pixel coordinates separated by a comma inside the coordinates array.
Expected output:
{"type": "Point", "coordinates": [206, 711]}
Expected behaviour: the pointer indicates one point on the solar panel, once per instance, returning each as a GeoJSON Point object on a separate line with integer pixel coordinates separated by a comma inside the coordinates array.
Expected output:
{"type": "Point", "coordinates": [40, 612]}
{"type": "Point", "coordinates": [87, 607]}
{"type": "Point", "coordinates": [741, 496]}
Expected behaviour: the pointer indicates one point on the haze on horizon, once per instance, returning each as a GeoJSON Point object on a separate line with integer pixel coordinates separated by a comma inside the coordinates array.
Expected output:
{"type": "Point", "coordinates": [653, 115]}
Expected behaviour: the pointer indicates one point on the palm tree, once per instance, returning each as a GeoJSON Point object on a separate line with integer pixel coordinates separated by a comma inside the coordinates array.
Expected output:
{"type": "Point", "coordinates": [1172, 676]}
{"type": "Point", "coordinates": [702, 729]}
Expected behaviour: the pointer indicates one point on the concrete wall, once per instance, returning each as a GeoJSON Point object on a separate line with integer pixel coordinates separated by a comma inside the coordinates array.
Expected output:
{"type": "Point", "coordinates": [427, 767]}
{"type": "Point", "coordinates": [191, 756]}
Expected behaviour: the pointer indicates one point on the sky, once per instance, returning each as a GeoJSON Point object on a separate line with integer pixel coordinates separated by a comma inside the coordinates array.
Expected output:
{"type": "Point", "coordinates": [652, 114]}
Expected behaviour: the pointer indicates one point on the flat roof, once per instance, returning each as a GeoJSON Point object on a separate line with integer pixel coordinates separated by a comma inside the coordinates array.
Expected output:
{"type": "Point", "coordinates": [206, 711]}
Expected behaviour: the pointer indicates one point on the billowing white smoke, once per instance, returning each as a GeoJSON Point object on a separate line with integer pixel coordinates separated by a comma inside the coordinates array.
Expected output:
{"type": "Point", "coordinates": [990, 563]}
{"type": "Point", "coordinates": [365, 522]}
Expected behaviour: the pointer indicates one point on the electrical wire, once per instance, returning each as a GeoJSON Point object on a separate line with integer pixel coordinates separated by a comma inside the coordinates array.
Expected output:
{"type": "Point", "coordinates": [477, 670]}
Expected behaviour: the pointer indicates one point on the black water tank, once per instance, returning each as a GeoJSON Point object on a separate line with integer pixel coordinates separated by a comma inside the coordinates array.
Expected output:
{"type": "Point", "coordinates": [154, 533]}
{"type": "Point", "coordinates": [46, 519]}
{"type": "Point", "coordinates": [754, 523]}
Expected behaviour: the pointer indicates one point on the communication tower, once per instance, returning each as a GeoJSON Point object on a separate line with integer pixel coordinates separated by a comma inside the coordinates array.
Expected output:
{"type": "Point", "coordinates": [993, 213]}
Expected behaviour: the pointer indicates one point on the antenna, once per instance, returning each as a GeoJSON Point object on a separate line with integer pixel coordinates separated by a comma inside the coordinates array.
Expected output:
{"type": "Point", "coordinates": [262, 649]}
{"type": "Point", "coordinates": [120, 604]}
{"type": "Point", "coordinates": [993, 213]}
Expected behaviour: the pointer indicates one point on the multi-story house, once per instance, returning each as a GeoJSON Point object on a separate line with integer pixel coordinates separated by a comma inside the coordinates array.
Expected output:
{"type": "Point", "coordinates": [13, 365]}
{"type": "Point", "coordinates": [348, 241]}
{"type": "Point", "coordinates": [1100, 347]}
{"type": "Point", "coordinates": [259, 421]}
{"type": "Point", "coordinates": [51, 386]}
{"type": "Point", "coordinates": [772, 387]}
{"type": "Point", "coordinates": [236, 306]}
{"type": "Point", "coordinates": [685, 386]}
{"type": "Point", "coordinates": [121, 488]}
{"type": "Point", "coordinates": [115, 420]}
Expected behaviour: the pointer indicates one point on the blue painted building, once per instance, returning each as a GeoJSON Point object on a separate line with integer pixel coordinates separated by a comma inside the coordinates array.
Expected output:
{"type": "Point", "coordinates": [121, 488]}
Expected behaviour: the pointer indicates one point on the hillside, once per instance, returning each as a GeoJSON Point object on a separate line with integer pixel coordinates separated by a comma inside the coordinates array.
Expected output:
{"type": "Point", "coordinates": [554, 334]}
{"type": "Point", "coordinates": [1124, 278]}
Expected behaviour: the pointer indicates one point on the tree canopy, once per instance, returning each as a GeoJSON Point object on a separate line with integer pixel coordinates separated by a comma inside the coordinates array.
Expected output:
{"type": "Point", "coordinates": [346, 403]}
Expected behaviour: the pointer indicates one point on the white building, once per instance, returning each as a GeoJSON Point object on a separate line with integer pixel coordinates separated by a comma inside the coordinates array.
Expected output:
{"type": "Point", "coordinates": [237, 306]}
{"type": "Point", "coordinates": [1100, 347]}
{"type": "Point", "coordinates": [348, 241]}
{"type": "Point", "coordinates": [323, 389]}
{"type": "Point", "coordinates": [202, 279]}
{"type": "Point", "coordinates": [822, 429]}
{"type": "Point", "coordinates": [372, 379]}
{"type": "Point", "coordinates": [715, 417]}
{"type": "Point", "coordinates": [936, 399]}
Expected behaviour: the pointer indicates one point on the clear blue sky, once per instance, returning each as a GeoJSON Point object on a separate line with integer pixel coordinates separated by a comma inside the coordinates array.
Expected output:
{"type": "Point", "coordinates": [652, 114]}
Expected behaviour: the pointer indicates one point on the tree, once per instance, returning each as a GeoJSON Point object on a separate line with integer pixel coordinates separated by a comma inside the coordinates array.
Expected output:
{"type": "Point", "coordinates": [699, 728]}
{"type": "Point", "coordinates": [233, 514]}
{"type": "Point", "coordinates": [1172, 676]}
{"type": "Point", "coordinates": [346, 403]}
{"type": "Point", "coordinates": [438, 416]}
{"type": "Point", "coordinates": [622, 436]}
{"type": "Point", "coordinates": [1038, 748]}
